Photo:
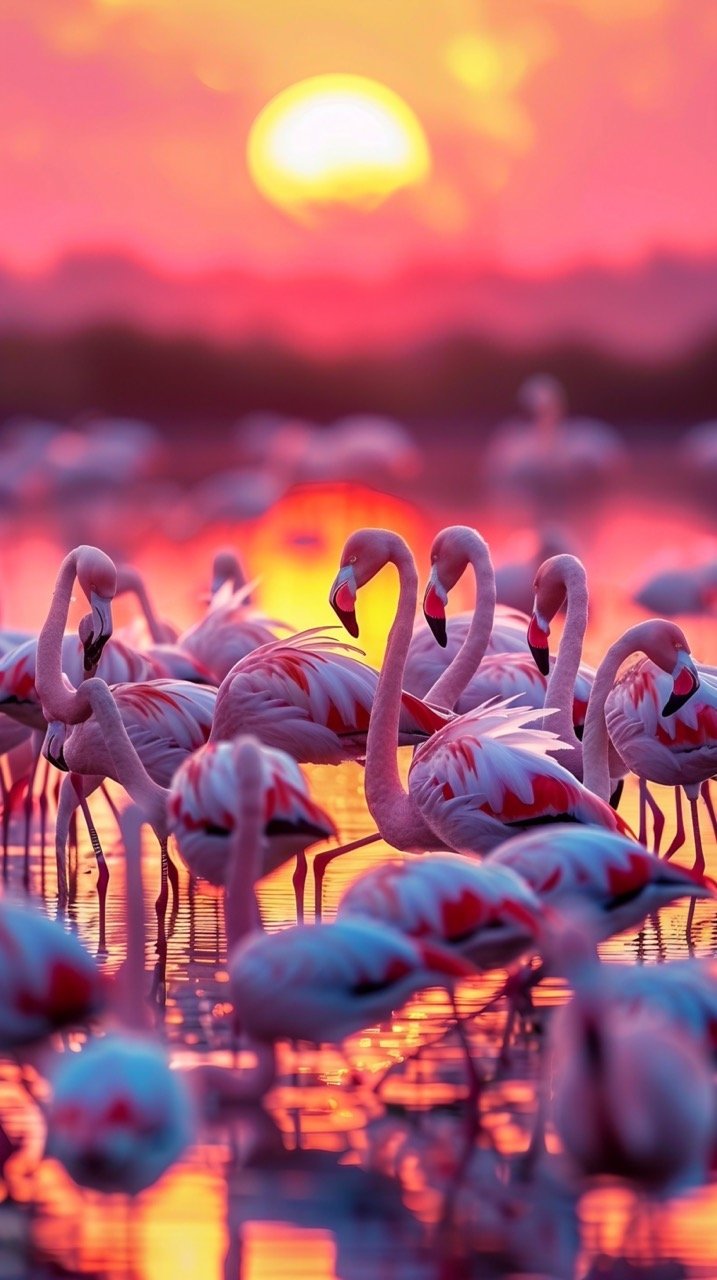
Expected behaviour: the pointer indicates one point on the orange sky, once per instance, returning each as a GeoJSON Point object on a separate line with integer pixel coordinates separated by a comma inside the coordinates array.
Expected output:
{"type": "Point", "coordinates": [561, 131]}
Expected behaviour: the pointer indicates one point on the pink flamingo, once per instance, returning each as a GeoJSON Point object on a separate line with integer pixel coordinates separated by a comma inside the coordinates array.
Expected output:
{"type": "Point", "coordinates": [616, 877]}
{"type": "Point", "coordinates": [119, 1116]}
{"type": "Point", "coordinates": [506, 674]}
{"type": "Point", "coordinates": [637, 714]}
{"type": "Point", "coordinates": [487, 912]}
{"type": "Point", "coordinates": [563, 578]}
{"type": "Point", "coordinates": [480, 777]}
{"type": "Point", "coordinates": [131, 582]}
{"type": "Point", "coordinates": [164, 656]}
{"type": "Point", "coordinates": [228, 632]}
{"type": "Point", "coordinates": [309, 696]}
{"type": "Point", "coordinates": [320, 982]}
{"type": "Point", "coordinates": [227, 568]}
{"type": "Point", "coordinates": [196, 798]}
{"type": "Point", "coordinates": [442, 674]}
{"type": "Point", "coordinates": [309, 982]}
{"type": "Point", "coordinates": [620, 1106]}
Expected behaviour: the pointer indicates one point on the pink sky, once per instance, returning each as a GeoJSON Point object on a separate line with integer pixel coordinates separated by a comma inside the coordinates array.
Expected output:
{"type": "Point", "coordinates": [562, 132]}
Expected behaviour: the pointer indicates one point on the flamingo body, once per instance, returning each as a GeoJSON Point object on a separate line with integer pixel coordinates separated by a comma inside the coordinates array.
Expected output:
{"type": "Point", "coordinates": [203, 810]}
{"type": "Point", "coordinates": [487, 912]}
{"type": "Point", "coordinates": [675, 749]}
{"type": "Point", "coordinates": [324, 982]}
{"type": "Point", "coordinates": [308, 696]}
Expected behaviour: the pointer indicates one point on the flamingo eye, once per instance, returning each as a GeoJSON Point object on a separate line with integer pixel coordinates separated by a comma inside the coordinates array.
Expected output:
{"type": "Point", "coordinates": [352, 559]}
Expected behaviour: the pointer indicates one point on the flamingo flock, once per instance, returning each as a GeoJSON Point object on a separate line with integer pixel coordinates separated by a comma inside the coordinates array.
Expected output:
{"type": "Point", "coordinates": [507, 853]}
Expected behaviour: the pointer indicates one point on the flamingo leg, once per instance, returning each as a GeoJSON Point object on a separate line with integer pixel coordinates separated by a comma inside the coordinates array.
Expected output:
{"type": "Point", "coordinates": [680, 835]}
{"type": "Point", "coordinates": [642, 829]}
{"type": "Point", "coordinates": [160, 906]}
{"type": "Point", "coordinates": [322, 860]}
{"type": "Point", "coordinates": [299, 882]}
{"type": "Point", "coordinates": [699, 862]}
{"type": "Point", "coordinates": [28, 816]}
{"type": "Point", "coordinates": [658, 820]}
{"type": "Point", "coordinates": [6, 811]}
{"type": "Point", "coordinates": [709, 805]}
{"type": "Point", "coordinates": [103, 876]}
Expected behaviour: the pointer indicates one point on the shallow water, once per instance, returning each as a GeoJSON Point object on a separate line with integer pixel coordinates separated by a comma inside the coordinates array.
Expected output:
{"type": "Point", "coordinates": [337, 1177]}
{"type": "Point", "coordinates": [332, 1178]}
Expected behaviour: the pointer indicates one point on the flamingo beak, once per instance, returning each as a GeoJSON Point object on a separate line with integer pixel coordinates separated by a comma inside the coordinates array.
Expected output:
{"type": "Point", "coordinates": [53, 748]}
{"type": "Point", "coordinates": [685, 682]}
{"type": "Point", "coordinates": [101, 629]}
{"type": "Point", "coordinates": [342, 598]}
{"type": "Point", "coordinates": [434, 608]}
{"type": "Point", "coordinates": [538, 632]}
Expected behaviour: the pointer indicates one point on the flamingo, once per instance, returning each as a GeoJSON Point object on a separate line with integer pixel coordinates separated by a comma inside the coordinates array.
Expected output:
{"type": "Point", "coordinates": [662, 728]}
{"type": "Point", "coordinates": [620, 1106]}
{"type": "Point", "coordinates": [308, 695]}
{"type": "Point", "coordinates": [442, 674]}
{"type": "Point", "coordinates": [319, 982]}
{"type": "Point", "coordinates": [672, 592]}
{"type": "Point", "coordinates": [621, 881]}
{"type": "Point", "coordinates": [227, 568]}
{"type": "Point", "coordinates": [480, 777]}
{"type": "Point", "coordinates": [228, 632]}
{"type": "Point", "coordinates": [119, 1116]}
{"type": "Point", "coordinates": [504, 675]}
{"type": "Point", "coordinates": [559, 579]}
{"type": "Point", "coordinates": [195, 798]}
{"type": "Point", "coordinates": [487, 912]}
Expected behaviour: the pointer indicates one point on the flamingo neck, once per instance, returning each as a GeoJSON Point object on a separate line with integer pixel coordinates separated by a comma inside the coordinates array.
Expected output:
{"type": "Point", "coordinates": [154, 626]}
{"type": "Point", "coordinates": [561, 685]}
{"type": "Point", "coordinates": [596, 740]}
{"type": "Point", "coordinates": [451, 683]}
{"type": "Point", "coordinates": [129, 769]}
{"type": "Point", "coordinates": [245, 860]}
{"type": "Point", "coordinates": [132, 1007]}
{"type": "Point", "coordinates": [389, 804]}
{"type": "Point", "coordinates": [59, 700]}
{"type": "Point", "coordinates": [241, 912]}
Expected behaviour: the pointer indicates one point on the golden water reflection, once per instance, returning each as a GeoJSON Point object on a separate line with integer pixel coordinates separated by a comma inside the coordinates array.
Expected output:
{"type": "Point", "coordinates": [332, 1178]}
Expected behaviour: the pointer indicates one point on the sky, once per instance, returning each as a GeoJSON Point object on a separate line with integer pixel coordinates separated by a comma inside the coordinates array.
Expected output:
{"type": "Point", "coordinates": [560, 133]}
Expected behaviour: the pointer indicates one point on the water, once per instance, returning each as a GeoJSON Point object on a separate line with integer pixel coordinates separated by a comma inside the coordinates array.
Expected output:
{"type": "Point", "coordinates": [333, 1177]}
{"type": "Point", "coordinates": [338, 1176]}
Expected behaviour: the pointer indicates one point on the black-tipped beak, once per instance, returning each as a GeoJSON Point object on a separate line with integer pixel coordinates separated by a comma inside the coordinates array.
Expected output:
{"type": "Point", "coordinates": [538, 645]}
{"type": "Point", "coordinates": [101, 630]}
{"type": "Point", "coordinates": [342, 599]}
{"type": "Point", "coordinates": [434, 611]}
{"type": "Point", "coordinates": [685, 682]}
{"type": "Point", "coordinates": [54, 746]}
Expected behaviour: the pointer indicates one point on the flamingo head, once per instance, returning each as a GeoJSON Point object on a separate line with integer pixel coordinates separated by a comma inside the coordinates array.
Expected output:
{"type": "Point", "coordinates": [53, 747]}
{"type": "Point", "coordinates": [666, 645]}
{"type": "Point", "coordinates": [226, 568]}
{"type": "Point", "coordinates": [550, 591]}
{"type": "Point", "coordinates": [450, 556]}
{"type": "Point", "coordinates": [97, 576]}
{"type": "Point", "coordinates": [365, 554]}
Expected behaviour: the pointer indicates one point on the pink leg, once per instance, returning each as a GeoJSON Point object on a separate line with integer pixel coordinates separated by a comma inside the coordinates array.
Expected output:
{"type": "Point", "coordinates": [642, 829]}
{"type": "Point", "coordinates": [299, 882]}
{"type": "Point", "coordinates": [103, 876]}
{"type": "Point", "coordinates": [322, 860]}
{"type": "Point", "coordinates": [28, 816]}
{"type": "Point", "coordinates": [658, 819]}
{"type": "Point", "coordinates": [709, 805]}
{"type": "Point", "coordinates": [699, 862]}
{"type": "Point", "coordinates": [680, 834]}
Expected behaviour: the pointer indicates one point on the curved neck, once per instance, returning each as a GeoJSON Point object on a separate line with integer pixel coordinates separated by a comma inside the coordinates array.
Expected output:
{"type": "Point", "coordinates": [245, 858]}
{"type": "Point", "coordinates": [561, 685]}
{"type": "Point", "coordinates": [129, 770]}
{"type": "Point", "coordinates": [58, 698]}
{"type": "Point", "coordinates": [596, 740]}
{"type": "Point", "coordinates": [450, 685]}
{"type": "Point", "coordinates": [389, 804]}
{"type": "Point", "coordinates": [154, 626]}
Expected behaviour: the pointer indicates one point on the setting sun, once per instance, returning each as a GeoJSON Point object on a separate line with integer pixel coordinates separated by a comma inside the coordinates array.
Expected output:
{"type": "Point", "coordinates": [335, 139]}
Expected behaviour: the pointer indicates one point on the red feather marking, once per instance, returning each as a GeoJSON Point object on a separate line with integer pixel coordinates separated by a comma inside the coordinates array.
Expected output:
{"type": "Point", "coordinates": [627, 879]}
{"type": "Point", "coordinates": [552, 881]}
{"type": "Point", "coordinates": [447, 791]}
{"type": "Point", "coordinates": [462, 915]}
{"type": "Point", "coordinates": [703, 734]}
{"type": "Point", "coordinates": [68, 1116]}
{"type": "Point", "coordinates": [550, 795]}
{"type": "Point", "coordinates": [429, 718]}
{"type": "Point", "coordinates": [120, 1112]}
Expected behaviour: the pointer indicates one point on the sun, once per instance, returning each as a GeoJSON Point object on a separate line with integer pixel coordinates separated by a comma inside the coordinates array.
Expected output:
{"type": "Point", "coordinates": [335, 140]}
